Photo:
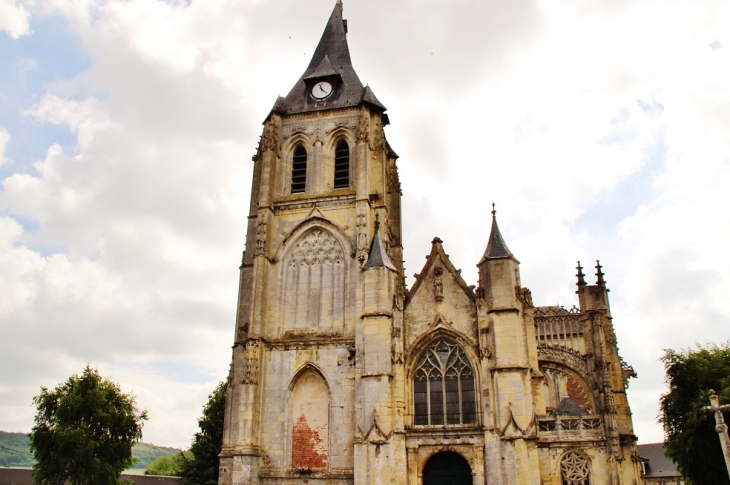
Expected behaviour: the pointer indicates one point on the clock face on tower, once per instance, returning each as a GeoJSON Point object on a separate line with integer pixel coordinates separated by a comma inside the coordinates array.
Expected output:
{"type": "Point", "coordinates": [321, 90]}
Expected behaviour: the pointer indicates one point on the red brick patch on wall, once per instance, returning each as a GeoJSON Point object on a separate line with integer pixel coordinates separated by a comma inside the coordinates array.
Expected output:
{"type": "Point", "coordinates": [305, 444]}
{"type": "Point", "coordinates": [577, 393]}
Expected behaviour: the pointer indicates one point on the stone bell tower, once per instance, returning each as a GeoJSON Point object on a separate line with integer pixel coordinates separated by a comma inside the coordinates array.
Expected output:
{"type": "Point", "coordinates": [341, 376]}
{"type": "Point", "coordinates": [321, 285]}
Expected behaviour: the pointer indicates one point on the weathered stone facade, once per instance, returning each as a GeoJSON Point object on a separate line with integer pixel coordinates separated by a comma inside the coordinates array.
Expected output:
{"type": "Point", "coordinates": [342, 375]}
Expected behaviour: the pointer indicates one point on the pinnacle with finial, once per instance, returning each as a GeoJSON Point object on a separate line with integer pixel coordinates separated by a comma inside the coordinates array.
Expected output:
{"type": "Point", "coordinates": [377, 221]}
{"type": "Point", "coordinates": [599, 274]}
{"type": "Point", "coordinates": [580, 275]}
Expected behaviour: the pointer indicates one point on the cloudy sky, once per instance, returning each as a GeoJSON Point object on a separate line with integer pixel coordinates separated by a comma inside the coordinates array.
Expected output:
{"type": "Point", "coordinates": [601, 128]}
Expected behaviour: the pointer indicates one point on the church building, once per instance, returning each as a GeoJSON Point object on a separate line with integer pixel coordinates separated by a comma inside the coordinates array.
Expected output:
{"type": "Point", "coordinates": [342, 375]}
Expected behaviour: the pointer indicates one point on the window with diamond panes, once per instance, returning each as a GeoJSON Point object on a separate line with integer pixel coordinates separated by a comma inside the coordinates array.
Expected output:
{"type": "Point", "coordinates": [342, 165]}
{"type": "Point", "coordinates": [299, 170]}
{"type": "Point", "coordinates": [443, 386]}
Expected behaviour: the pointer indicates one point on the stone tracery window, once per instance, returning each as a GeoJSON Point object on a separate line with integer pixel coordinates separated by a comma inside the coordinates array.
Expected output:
{"type": "Point", "coordinates": [314, 283]}
{"type": "Point", "coordinates": [443, 386]}
{"type": "Point", "coordinates": [575, 469]}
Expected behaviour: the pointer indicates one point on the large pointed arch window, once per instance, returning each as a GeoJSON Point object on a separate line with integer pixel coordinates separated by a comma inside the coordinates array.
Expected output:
{"type": "Point", "coordinates": [443, 386]}
{"type": "Point", "coordinates": [342, 165]}
{"type": "Point", "coordinates": [299, 170]}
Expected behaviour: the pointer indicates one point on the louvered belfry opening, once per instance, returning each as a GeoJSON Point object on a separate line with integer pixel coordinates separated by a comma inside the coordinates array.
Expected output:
{"type": "Point", "coordinates": [443, 387]}
{"type": "Point", "coordinates": [299, 170]}
{"type": "Point", "coordinates": [342, 165]}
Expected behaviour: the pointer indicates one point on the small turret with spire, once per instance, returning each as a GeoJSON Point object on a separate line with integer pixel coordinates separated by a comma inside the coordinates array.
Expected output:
{"type": "Point", "coordinates": [499, 273]}
{"type": "Point", "coordinates": [496, 247]}
{"type": "Point", "coordinates": [378, 256]}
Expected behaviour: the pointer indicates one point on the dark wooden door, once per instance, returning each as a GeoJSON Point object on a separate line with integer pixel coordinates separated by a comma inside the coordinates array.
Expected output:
{"type": "Point", "coordinates": [447, 468]}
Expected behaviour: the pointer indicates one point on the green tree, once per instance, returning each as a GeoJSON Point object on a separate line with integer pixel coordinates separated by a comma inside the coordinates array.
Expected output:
{"type": "Point", "coordinates": [207, 443]}
{"type": "Point", "coordinates": [169, 466]}
{"type": "Point", "coordinates": [692, 442]}
{"type": "Point", "coordinates": [84, 431]}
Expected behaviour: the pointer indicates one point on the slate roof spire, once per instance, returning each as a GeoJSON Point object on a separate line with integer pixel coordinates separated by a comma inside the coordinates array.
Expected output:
{"type": "Point", "coordinates": [333, 43]}
{"type": "Point", "coordinates": [331, 62]}
{"type": "Point", "coordinates": [378, 257]}
{"type": "Point", "coordinates": [496, 247]}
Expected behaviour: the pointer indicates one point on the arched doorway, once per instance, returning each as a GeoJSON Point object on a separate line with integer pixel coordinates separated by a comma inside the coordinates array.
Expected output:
{"type": "Point", "coordinates": [447, 468]}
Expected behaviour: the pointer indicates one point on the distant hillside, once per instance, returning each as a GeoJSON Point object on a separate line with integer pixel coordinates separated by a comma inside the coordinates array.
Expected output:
{"type": "Point", "coordinates": [146, 453]}
{"type": "Point", "coordinates": [15, 451]}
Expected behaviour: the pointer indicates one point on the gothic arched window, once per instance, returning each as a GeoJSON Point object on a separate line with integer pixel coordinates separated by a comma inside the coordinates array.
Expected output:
{"type": "Point", "coordinates": [342, 165]}
{"type": "Point", "coordinates": [574, 469]}
{"type": "Point", "coordinates": [443, 386]}
{"type": "Point", "coordinates": [299, 170]}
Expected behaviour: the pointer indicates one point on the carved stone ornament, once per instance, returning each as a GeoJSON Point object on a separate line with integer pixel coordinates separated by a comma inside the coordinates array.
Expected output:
{"type": "Point", "coordinates": [261, 234]}
{"type": "Point", "coordinates": [270, 140]}
{"type": "Point", "coordinates": [316, 247]}
{"type": "Point", "coordinates": [363, 129]}
{"type": "Point", "coordinates": [397, 347]}
{"type": "Point", "coordinates": [524, 295]}
{"type": "Point", "coordinates": [318, 135]}
{"type": "Point", "coordinates": [485, 352]}
{"type": "Point", "coordinates": [438, 284]}
{"type": "Point", "coordinates": [563, 356]}
{"type": "Point", "coordinates": [362, 235]}
{"type": "Point", "coordinates": [250, 369]}
{"type": "Point", "coordinates": [393, 180]}
{"type": "Point", "coordinates": [574, 468]}
{"type": "Point", "coordinates": [378, 141]}
{"type": "Point", "coordinates": [296, 130]}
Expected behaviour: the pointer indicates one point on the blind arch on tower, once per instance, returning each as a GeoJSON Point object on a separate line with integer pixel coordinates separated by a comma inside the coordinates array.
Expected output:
{"type": "Point", "coordinates": [314, 287]}
{"type": "Point", "coordinates": [309, 400]}
{"type": "Point", "coordinates": [444, 385]}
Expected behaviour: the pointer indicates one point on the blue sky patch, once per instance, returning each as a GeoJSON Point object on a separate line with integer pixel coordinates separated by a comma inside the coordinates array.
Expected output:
{"type": "Point", "coordinates": [28, 66]}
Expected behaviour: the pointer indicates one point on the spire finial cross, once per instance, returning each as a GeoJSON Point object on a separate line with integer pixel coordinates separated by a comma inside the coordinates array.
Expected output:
{"type": "Point", "coordinates": [494, 210]}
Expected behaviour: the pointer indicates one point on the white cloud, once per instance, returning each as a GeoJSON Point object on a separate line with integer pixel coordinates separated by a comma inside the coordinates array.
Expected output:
{"type": "Point", "coordinates": [122, 250]}
{"type": "Point", "coordinates": [14, 19]}
{"type": "Point", "coordinates": [4, 139]}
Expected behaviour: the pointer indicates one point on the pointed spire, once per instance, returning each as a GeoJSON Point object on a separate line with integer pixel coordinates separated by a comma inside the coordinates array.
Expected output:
{"type": "Point", "coordinates": [331, 63]}
{"type": "Point", "coordinates": [333, 42]}
{"type": "Point", "coordinates": [378, 257]}
{"type": "Point", "coordinates": [496, 248]}
{"type": "Point", "coordinates": [599, 275]}
{"type": "Point", "coordinates": [580, 275]}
